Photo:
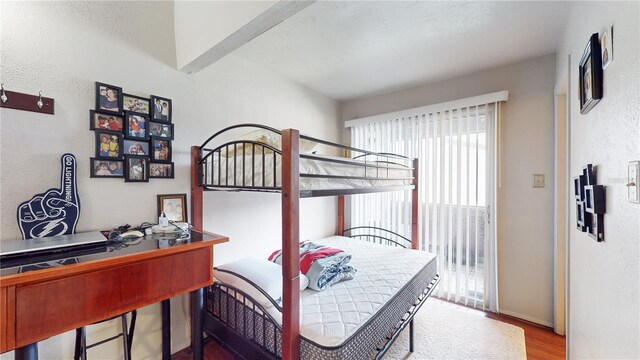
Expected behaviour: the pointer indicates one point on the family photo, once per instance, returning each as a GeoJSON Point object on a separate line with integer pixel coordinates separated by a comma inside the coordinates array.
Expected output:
{"type": "Point", "coordinates": [108, 144]}
{"type": "Point", "coordinates": [136, 126]}
{"type": "Point", "coordinates": [105, 121]}
{"type": "Point", "coordinates": [161, 109]}
{"type": "Point", "coordinates": [161, 170]}
{"type": "Point", "coordinates": [134, 147]}
{"type": "Point", "coordinates": [137, 169]}
{"type": "Point", "coordinates": [161, 150]}
{"type": "Point", "coordinates": [108, 97]}
{"type": "Point", "coordinates": [106, 168]}
{"type": "Point", "coordinates": [161, 130]}
{"type": "Point", "coordinates": [136, 104]}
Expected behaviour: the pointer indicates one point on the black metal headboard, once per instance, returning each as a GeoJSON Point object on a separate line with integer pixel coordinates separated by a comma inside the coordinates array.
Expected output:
{"type": "Point", "coordinates": [378, 235]}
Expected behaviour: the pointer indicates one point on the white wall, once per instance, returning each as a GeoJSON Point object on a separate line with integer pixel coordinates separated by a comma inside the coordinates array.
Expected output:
{"type": "Point", "coordinates": [62, 48]}
{"type": "Point", "coordinates": [525, 214]}
{"type": "Point", "coordinates": [604, 278]}
{"type": "Point", "coordinates": [199, 25]}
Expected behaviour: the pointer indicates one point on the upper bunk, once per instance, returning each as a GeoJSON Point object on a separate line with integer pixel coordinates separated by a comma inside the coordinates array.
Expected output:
{"type": "Point", "coordinates": [248, 157]}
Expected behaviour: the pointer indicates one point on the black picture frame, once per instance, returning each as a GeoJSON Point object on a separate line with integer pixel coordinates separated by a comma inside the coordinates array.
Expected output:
{"type": "Point", "coordinates": [101, 104]}
{"type": "Point", "coordinates": [94, 116]}
{"type": "Point", "coordinates": [131, 175]}
{"type": "Point", "coordinates": [164, 117]}
{"type": "Point", "coordinates": [596, 227]}
{"type": "Point", "coordinates": [95, 170]}
{"type": "Point", "coordinates": [156, 150]}
{"type": "Point", "coordinates": [590, 75]}
{"type": "Point", "coordinates": [100, 149]}
{"type": "Point", "coordinates": [154, 166]}
{"type": "Point", "coordinates": [154, 124]}
{"type": "Point", "coordinates": [131, 133]}
{"type": "Point", "coordinates": [126, 107]}
{"type": "Point", "coordinates": [142, 146]}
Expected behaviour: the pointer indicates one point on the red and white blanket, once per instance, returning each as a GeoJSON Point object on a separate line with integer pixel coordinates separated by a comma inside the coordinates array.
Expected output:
{"type": "Point", "coordinates": [323, 265]}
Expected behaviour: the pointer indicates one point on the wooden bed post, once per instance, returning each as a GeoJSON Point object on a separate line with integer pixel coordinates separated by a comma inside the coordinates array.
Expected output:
{"type": "Point", "coordinates": [290, 245]}
{"type": "Point", "coordinates": [415, 203]}
{"type": "Point", "coordinates": [340, 215]}
{"type": "Point", "coordinates": [196, 190]}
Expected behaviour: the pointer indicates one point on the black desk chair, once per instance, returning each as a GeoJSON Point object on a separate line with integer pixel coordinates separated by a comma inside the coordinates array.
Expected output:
{"type": "Point", "coordinates": [126, 334]}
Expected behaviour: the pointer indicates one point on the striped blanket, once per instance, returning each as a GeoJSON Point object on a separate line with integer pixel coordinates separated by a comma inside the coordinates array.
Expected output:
{"type": "Point", "coordinates": [323, 265]}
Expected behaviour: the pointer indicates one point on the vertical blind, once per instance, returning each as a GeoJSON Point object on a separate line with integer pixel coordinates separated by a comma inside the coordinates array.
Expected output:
{"type": "Point", "coordinates": [456, 152]}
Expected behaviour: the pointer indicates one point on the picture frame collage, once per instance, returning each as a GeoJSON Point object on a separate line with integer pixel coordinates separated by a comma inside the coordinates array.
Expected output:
{"type": "Point", "coordinates": [590, 203]}
{"type": "Point", "coordinates": [133, 135]}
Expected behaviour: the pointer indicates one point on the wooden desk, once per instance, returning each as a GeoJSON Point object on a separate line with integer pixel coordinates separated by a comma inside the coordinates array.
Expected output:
{"type": "Point", "coordinates": [106, 282]}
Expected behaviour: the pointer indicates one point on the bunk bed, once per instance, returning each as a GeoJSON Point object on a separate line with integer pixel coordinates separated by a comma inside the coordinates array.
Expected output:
{"type": "Point", "coordinates": [283, 162]}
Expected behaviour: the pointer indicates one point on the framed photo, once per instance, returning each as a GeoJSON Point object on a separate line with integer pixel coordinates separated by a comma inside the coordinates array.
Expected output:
{"type": "Point", "coordinates": [606, 45]}
{"type": "Point", "coordinates": [161, 170]}
{"type": "Point", "coordinates": [136, 168]}
{"type": "Point", "coordinates": [136, 147]}
{"type": "Point", "coordinates": [161, 130]}
{"type": "Point", "coordinates": [174, 206]}
{"type": "Point", "coordinates": [108, 98]}
{"type": "Point", "coordinates": [105, 121]}
{"type": "Point", "coordinates": [160, 109]}
{"type": "Point", "coordinates": [590, 75]}
{"type": "Point", "coordinates": [108, 144]}
{"type": "Point", "coordinates": [136, 126]}
{"type": "Point", "coordinates": [106, 168]}
{"type": "Point", "coordinates": [135, 104]}
{"type": "Point", "coordinates": [160, 149]}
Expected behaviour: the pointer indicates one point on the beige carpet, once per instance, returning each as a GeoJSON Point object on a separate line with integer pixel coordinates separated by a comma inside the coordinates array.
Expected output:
{"type": "Point", "coordinates": [448, 331]}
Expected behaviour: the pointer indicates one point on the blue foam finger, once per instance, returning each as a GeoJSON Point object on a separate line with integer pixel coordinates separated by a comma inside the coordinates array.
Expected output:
{"type": "Point", "coordinates": [56, 211]}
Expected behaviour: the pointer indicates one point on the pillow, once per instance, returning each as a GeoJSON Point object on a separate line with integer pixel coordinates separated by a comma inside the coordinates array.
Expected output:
{"type": "Point", "coordinates": [264, 273]}
{"type": "Point", "coordinates": [266, 137]}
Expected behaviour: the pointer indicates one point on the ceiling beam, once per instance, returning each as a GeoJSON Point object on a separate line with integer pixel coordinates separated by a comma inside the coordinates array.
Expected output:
{"type": "Point", "coordinates": [254, 28]}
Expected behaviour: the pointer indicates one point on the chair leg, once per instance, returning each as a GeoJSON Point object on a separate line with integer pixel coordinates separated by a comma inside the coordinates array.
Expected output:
{"type": "Point", "coordinates": [411, 335]}
{"type": "Point", "coordinates": [132, 328]}
{"type": "Point", "coordinates": [78, 347]}
{"type": "Point", "coordinates": [125, 337]}
{"type": "Point", "coordinates": [84, 343]}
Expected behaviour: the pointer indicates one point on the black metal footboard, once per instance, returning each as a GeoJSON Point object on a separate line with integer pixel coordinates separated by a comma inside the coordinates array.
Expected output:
{"type": "Point", "coordinates": [240, 323]}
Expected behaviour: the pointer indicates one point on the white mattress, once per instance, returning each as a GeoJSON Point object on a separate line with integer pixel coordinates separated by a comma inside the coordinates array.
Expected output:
{"type": "Point", "coordinates": [330, 317]}
{"type": "Point", "coordinates": [307, 166]}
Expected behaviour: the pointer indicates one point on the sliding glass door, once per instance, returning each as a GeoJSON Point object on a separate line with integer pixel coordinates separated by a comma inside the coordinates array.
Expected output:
{"type": "Point", "coordinates": [456, 151]}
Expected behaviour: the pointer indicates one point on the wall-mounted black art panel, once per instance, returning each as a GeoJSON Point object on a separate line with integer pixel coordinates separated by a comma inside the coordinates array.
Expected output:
{"type": "Point", "coordinates": [590, 203]}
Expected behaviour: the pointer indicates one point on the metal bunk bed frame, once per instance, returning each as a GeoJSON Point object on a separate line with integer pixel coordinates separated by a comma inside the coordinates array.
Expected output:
{"type": "Point", "coordinates": [203, 179]}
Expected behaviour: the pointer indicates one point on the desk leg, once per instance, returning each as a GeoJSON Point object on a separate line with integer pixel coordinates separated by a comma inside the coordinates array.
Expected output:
{"type": "Point", "coordinates": [166, 329]}
{"type": "Point", "coordinates": [197, 307]}
{"type": "Point", "coordinates": [29, 352]}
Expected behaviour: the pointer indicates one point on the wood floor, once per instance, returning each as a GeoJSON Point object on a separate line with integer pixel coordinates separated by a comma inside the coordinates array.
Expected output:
{"type": "Point", "coordinates": [541, 342]}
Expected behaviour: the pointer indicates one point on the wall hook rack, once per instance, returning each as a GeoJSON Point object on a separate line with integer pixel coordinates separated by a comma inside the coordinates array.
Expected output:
{"type": "Point", "coordinates": [26, 102]}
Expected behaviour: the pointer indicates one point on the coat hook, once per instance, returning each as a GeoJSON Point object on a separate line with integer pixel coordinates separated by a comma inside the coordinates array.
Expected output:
{"type": "Point", "coordinates": [40, 103]}
{"type": "Point", "coordinates": [4, 96]}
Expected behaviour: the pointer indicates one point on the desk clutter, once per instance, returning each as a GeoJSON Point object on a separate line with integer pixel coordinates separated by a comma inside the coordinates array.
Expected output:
{"type": "Point", "coordinates": [133, 136]}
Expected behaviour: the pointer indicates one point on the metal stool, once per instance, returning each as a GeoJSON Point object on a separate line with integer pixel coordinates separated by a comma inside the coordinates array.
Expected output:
{"type": "Point", "coordinates": [127, 337]}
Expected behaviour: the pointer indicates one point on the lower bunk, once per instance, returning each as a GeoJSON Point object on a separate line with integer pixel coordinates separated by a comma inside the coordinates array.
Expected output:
{"type": "Point", "coordinates": [355, 319]}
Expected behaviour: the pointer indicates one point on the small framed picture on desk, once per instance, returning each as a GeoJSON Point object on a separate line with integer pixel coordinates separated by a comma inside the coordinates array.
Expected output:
{"type": "Point", "coordinates": [174, 206]}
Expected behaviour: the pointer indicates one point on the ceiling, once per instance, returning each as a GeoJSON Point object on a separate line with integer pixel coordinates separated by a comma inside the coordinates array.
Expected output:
{"type": "Point", "coordinates": [352, 49]}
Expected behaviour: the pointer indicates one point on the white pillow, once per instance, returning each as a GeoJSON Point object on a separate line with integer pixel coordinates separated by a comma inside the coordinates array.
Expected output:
{"type": "Point", "coordinates": [265, 274]}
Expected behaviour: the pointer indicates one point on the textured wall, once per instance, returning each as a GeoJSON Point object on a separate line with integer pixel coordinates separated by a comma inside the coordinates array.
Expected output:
{"type": "Point", "coordinates": [525, 214]}
{"type": "Point", "coordinates": [62, 48]}
{"type": "Point", "coordinates": [604, 278]}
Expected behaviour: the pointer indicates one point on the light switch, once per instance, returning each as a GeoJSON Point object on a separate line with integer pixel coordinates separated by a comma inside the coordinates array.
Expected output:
{"type": "Point", "coordinates": [538, 180]}
{"type": "Point", "coordinates": [632, 181]}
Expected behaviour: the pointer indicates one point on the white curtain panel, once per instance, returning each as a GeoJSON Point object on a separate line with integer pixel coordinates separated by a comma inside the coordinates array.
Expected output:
{"type": "Point", "coordinates": [457, 150]}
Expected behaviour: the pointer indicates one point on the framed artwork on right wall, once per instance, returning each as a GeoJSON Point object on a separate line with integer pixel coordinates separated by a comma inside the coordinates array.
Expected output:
{"type": "Point", "coordinates": [590, 75]}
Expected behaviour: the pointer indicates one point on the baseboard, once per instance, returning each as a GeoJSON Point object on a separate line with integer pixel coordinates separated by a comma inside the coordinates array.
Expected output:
{"type": "Point", "coordinates": [527, 318]}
